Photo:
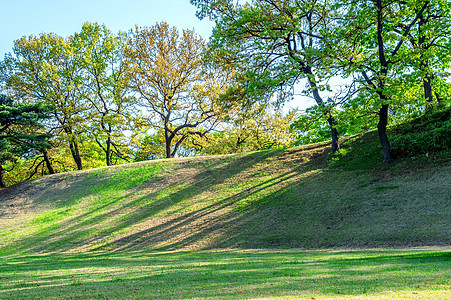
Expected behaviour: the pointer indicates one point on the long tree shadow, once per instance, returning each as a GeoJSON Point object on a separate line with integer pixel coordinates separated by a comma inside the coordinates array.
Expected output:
{"type": "Point", "coordinates": [74, 231]}
{"type": "Point", "coordinates": [209, 226]}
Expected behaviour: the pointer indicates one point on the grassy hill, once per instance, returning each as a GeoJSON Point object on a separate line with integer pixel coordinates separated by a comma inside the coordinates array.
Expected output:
{"type": "Point", "coordinates": [292, 198]}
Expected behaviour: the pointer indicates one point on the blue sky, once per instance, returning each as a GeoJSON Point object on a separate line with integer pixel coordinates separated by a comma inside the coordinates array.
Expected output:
{"type": "Point", "coordinates": [65, 17]}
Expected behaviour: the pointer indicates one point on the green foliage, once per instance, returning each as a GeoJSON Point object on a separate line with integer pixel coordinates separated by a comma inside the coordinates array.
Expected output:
{"type": "Point", "coordinates": [19, 128]}
{"type": "Point", "coordinates": [251, 129]}
{"type": "Point", "coordinates": [427, 133]}
{"type": "Point", "coordinates": [100, 54]}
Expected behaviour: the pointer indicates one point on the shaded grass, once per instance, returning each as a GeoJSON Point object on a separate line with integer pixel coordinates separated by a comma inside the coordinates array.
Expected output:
{"type": "Point", "coordinates": [286, 198]}
{"type": "Point", "coordinates": [54, 231]}
{"type": "Point", "coordinates": [381, 274]}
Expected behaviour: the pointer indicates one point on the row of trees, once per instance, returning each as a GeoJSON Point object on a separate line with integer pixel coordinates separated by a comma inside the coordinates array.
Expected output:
{"type": "Point", "coordinates": [144, 94]}
{"type": "Point", "coordinates": [384, 50]}
{"type": "Point", "coordinates": [158, 92]}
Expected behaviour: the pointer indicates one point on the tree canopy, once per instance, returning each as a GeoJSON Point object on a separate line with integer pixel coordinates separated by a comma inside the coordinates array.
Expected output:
{"type": "Point", "coordinates": [160, 92]}
{"type": "Point", "coordinates": [19, 125]}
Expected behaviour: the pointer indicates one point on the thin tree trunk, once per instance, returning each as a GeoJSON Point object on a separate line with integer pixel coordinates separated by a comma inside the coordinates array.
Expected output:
{"type": "Point", "coordinates": [48, 163]}
{"type": "Point", "coordinates": [108, 152]}
{"type": "Point", "coordinates": [334, 133]}
{"type": "Point", "coordinates": [2, 180]}
{"type": "Point", "coordinates": [74, 149]}
{"type": "Point", "coordinates": [330, 119]}
{"type": "Point", "coordinates": [76, 154]}
{"type": "Point", "coordinates": [424, 63]}
{"type": "Point", "coordinates": [382, 131]}
{"type": "Point", "coordinates": [168, 141]}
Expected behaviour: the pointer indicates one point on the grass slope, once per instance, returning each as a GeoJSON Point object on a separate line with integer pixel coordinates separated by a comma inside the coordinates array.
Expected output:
{"type": "Point", "coordinates": [293, 198]}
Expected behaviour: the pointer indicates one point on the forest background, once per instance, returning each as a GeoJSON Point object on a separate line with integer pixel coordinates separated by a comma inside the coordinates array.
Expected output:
{"type": "Point", "coordinates": [101, 97]}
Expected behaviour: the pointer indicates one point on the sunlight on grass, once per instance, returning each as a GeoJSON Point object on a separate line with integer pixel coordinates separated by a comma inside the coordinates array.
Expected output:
{"type": "Point", "coordinates": [256, 274]}
{"type": "Point", "coordinates": [86, 213]}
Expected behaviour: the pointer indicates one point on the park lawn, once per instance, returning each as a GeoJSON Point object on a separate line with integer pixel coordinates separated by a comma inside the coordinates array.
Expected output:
{"type": "Point", "coordinates": [230, 274]}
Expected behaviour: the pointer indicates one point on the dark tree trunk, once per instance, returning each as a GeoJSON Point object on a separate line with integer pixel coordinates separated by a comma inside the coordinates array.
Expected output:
{"type": "Point", "coordinates": [427, 85]}
{"type": "Point", "coordinates": [48, 163]}
{"type": "Point", "coordinates": [74, 149]}
{"type": "Point", "coordinates": [168, 140]}
{"type": "Point", "coordinates": [327, 114]}
{"type": "Point", "coordinates": [382, 131]}
{"type": "Point", "coordinates": [2, 180]}
{"type": "Point", "coordinates": [424, 63]}
{"type": "Point", "coordinates": [76, 154]}
{"type": "Point", "coordinates": [334, 133]}
{"type": "Point", "coordinates": [108, 152]}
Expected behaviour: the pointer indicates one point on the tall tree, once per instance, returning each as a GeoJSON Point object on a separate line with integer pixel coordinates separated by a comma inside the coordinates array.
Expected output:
{"type": "Point", "coordinates": [276, 43]}
{"type": "Point", "coordinates": [371, 30]}
{"type": "Point", "coordinates": [43, 68]}
{"type": "Point", "coordinates": [19, 123]}
{"type": "Point", "coordinates": [100, 54]}
{"type": "Point", "coordinates": [166, 73]}
{"type": "Point", "coordinates": [430, 41]}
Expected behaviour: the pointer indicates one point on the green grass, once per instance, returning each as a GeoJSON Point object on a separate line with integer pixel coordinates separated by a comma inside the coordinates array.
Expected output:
{"type": "Point", "coordinates": [338, 228]}
{"type": "Point", "coordinates": [289, 198]}
{"type": "Point", "coordinates": [250, 274]}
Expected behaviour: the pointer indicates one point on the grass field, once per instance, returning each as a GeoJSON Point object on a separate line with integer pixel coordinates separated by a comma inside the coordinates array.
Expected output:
{"type": "Point", "coordinates": [245, 274]}
{"type": "Point", "coordinates": [343, 227]}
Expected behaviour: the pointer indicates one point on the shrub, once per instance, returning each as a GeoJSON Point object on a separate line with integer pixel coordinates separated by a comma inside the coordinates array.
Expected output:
{"type": "Point", "coordinates": [430, 132]}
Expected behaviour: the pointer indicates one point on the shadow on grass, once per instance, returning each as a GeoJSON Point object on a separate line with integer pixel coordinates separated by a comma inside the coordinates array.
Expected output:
{"type": "Point", "coordinates": [246, 201]}
{"type": "Point", "coordinates": [224, 274]}
{"type": "Point", "coordinates": [128, 208]}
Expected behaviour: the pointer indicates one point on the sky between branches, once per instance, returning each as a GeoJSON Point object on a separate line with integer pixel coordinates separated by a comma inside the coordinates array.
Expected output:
{"type": "Point", "coordinates": [31, 17]}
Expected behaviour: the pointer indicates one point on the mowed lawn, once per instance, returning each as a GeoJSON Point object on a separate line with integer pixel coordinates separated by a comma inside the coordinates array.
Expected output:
{"type": "Point", "coordinates": [200, 228]}
{"type": "Point", "coordinates": [230, 274]}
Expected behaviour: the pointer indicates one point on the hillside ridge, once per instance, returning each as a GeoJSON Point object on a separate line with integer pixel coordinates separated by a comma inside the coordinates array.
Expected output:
{"type": "Point", "coordinates": [286, 198]}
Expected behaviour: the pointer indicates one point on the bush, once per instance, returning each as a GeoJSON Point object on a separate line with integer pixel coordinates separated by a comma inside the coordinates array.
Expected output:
{"type": "Point", "coordinates": [430, 132]}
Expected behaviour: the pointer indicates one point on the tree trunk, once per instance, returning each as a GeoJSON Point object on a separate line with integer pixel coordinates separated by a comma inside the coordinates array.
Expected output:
{"type": "Point", "coordinates": [424, 63]}
{"type": "Point", "coordinates": [330, 119]}
{"type": "Point", "coordinates": [108, 152]}
{"type": "Point", "coordinates": [76, 154]}
{"type": "Point", "coordinates": [428, 89]}
{"type": "Point", "coordinates": [48, 163]}
{"type": "Point", "coordinates": [334, 132]}
{"type": "Point", "coordinates": [167, 140]}
{"type": "Point", "coordinates": [382, 131]}
{"type": "Point", "coordinates": [2, 180]}
{"type": "Point", "coordinates": [74, 149]}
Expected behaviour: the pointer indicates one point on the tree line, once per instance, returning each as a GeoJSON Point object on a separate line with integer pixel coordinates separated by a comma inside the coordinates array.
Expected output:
{"type": "Point", "coordinates": [156, 92]}
{"type": "Point", "coordinates": [125, 97]}
{"type": "Point", "coordinates": [390, 55]}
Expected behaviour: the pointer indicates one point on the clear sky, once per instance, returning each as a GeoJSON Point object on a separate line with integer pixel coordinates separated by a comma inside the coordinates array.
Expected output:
{"type": "Point", "coordinates": [65, 17]}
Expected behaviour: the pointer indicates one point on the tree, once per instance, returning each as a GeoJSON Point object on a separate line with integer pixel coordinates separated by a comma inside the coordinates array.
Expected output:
{"type": "Point", "coordinates": [43, 68]}
{"type": "Point", "coordinates": [371, 30]}
{"type": "Point", "coordinates": [275, 44]}
{"type": "Point", "coordinates": [18, 130]}
{"type": "Point", "coordinates": [250, 129]}
{"type": "Point", "coordinates": [167, 74]}
{"type": "Point", "coordinates": [100, 54]}
{"type": "Point", "coordinates": [430, 43]}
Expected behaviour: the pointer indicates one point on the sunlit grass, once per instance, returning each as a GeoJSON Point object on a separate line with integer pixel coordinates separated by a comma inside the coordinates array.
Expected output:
{"type": "Point", "coordinates": [256, 274]}
{"type": "Point", "coordinates": [55, 232]}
